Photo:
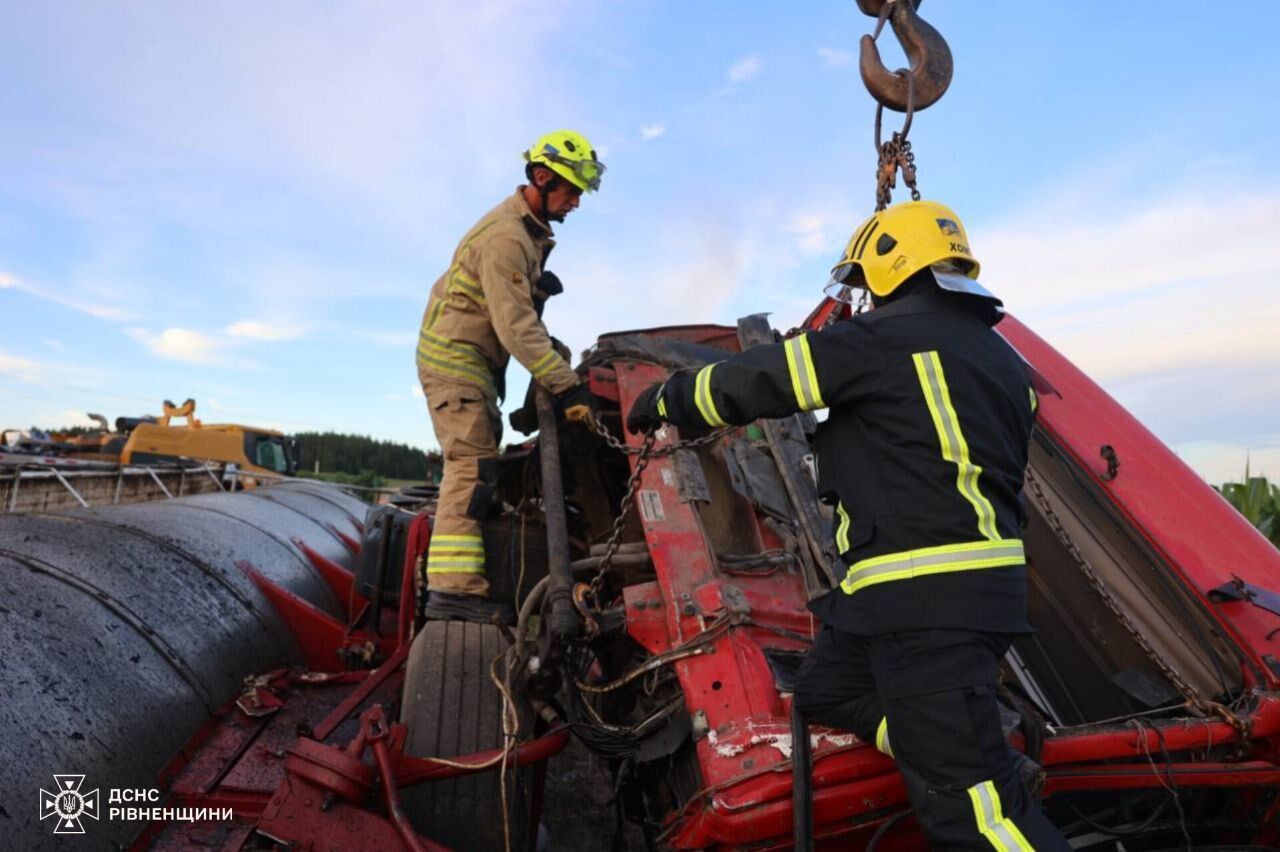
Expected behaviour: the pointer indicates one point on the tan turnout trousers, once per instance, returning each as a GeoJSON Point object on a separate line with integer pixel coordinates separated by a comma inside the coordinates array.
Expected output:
{"type": "Point", "coordinates": [467, 425]}
{"type": "Point", "coordinates": [480, 314]}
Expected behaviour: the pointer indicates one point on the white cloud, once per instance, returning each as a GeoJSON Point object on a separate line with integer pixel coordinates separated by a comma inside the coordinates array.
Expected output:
{"type": "Point", "coordinates": [1149, 290]}
{"type": "Point", "coordinates": [833, 58]}
{"type": "Point", "coordinates": [19, 368]}
{"type": "Point", "coordinates": [179, 344]}
{"type": "Point", "coordinates": [744, 69]}
{"type": "Point", "coordinates": [815, 232]}
{"type": "Point", "coordinates": [9, 281]}
{"type": "Point", "coordinates": [256, 330]}
{"type": "Point", "coordinates": [652, 131]}
{"type": "Point", "coordinates": [68, 417]}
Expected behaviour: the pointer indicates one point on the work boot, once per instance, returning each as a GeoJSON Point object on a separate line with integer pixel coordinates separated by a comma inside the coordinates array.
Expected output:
{"type": "Point", "coordinates": [450, 606]}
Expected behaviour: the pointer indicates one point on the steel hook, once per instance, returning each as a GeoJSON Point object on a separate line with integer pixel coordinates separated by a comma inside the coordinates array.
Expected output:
{"type": "Point", "coordinates": [927, 51]}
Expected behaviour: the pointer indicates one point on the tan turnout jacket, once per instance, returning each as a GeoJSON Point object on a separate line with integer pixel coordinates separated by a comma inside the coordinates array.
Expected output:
{"type": "Point", "coordinates": [481, 311]}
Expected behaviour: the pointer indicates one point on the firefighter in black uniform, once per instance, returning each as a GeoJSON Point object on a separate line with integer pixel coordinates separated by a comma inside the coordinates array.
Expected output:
{"type": "Point", "coordinates": [922, 457]}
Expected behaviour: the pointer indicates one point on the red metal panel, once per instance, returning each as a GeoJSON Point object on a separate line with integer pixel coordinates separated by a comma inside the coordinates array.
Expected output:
{"type": "Point", "coordinates": [1198, 533]}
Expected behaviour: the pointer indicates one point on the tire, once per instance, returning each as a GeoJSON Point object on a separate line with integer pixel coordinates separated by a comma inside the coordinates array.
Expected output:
{"type": "Point", "coordinates": [451, 708]}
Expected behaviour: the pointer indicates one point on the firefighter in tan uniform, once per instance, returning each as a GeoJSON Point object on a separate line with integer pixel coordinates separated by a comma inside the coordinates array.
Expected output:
{"type": "Point", "coordinates": [483, 310]}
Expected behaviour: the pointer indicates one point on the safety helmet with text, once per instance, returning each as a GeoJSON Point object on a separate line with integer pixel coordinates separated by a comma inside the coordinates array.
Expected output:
{"type": "Point", "coordinates": [896, 243]}
{"type": "Point", "coordinates": [569, 155]}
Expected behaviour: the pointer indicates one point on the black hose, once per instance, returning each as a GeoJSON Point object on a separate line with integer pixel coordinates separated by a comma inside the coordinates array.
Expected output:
{"type": "Point", "coordinates": [562, 618]}
{"type": "Point", "coordinates": [801, 782]}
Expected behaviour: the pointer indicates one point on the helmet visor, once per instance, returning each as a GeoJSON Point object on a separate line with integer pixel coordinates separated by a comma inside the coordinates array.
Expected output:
{"type": "Point", "coordinates": [589, 171]}
{"type": "Point", "coordinates": [847, 275]}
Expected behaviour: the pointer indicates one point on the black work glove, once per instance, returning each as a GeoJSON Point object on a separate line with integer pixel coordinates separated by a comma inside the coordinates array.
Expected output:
{"type": "Point", "coordinates": [578, 404]}
{"type": "Point", "coordinates": [644, 411]}
{"type": "Point", "coordinates": [549, 283]}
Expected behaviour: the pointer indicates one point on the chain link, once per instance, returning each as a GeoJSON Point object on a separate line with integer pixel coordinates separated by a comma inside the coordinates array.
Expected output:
{"type": "Point", "coordinates": [644, 454]}
{"type": "Point", "coordinates": [1189, 692]}
{"type": "Point", "coordinates": [895, 155]}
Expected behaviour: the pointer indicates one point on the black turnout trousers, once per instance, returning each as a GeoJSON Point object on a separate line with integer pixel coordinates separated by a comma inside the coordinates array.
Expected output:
{"type": "Point", "coordinates": [928, 698]}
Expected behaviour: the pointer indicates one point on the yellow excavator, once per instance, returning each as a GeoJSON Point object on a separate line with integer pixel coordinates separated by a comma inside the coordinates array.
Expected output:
{"type": "Point", "coordinates": [253, 450]}
{"type": "Point", "coordinates": [158, 440]}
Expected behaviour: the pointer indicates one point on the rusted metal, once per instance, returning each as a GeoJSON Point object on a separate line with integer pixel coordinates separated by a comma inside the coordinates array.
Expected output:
{"type": "Point", "coordinates": [931, 66]}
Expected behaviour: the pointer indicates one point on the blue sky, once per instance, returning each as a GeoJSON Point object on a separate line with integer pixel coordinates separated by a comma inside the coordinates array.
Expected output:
{"type": "Point", "coordinates": [247, 203]}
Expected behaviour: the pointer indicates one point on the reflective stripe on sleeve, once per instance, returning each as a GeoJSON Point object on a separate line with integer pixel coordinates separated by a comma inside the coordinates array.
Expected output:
{"type": "Point", "coordinates": [702, 397]}
{"type": "Point", "coordinates": [662, 401]}
{"type": "Point", "coordinates": [1035, 402]}
{"type": "Point", "coordinates": [804, 378]}
{"type": "Point", "coordinates": [544, 365]}
{"type": "Point", "coordinates": [882, 737]}
{"type": "Point", "coordinates": [932, 560]}
{"type": "Point", "coordinates": [933, 382]}
{"type": "Point", "coordinates": [1003, 835]}
{"type": "Point", "coordinates": [842, 529]}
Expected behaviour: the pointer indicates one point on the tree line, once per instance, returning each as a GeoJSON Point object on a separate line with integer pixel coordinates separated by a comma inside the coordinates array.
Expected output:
{"type": "Point", "coordinates": [356, 454]}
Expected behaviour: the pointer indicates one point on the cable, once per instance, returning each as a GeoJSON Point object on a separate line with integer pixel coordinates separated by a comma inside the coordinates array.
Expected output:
{"type": "Point", "coordinates": [1116, 831]}
{"type": "Point", "coordinates": [884, 829]}
{"type": "Point", "coordinates": [1172, 784]}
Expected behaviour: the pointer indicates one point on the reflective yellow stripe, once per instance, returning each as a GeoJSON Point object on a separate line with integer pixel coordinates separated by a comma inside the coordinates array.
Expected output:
{"type": "Point", "coordinates": [456, 554]}
{"type": "Point", "coordinates": [804, 378]}
{"type": "Point", "coordinates": [451, 567]}
{"type": "Point", "coordinates": [882, 737]}
{"type": "Point", "coordinates": [461, 282]}
{"type": "Point", "coordinates": [545, 364]}
{"type": "Point", "coordinates": [463, 351]}
{"type": "Point", "coordinates": [452, 368]}
{"type": "Point", "coordinates": [1035, 402]}
{"type": "Point", "coordinates": [842, 531]}
{"type": "Point", "coordinates": [933, 382]}
{"type": "Point", "coordinates": [458, 540]}
{"type": "Point", "coordinates": [1002, 834]}
{"type": "Point", "coordinates": [460, 360]}
{"type": "Point", "coordinates": [662, 403]}
{"type": "Point", "coordinates": [946, 558]}
{"type": "Point", "coordinates": [433, 316]}
{"type": "Point", "coordinates": [702, 397]}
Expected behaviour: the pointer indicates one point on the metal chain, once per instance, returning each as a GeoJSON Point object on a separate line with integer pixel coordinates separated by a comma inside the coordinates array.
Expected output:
{"type": "Point", "coordinates": [690, 444]}
{"type": "Point", "coordinates": [644, 454]}
{"type": "Point", "coordinates": [1189, 692]}
{"type": "Point", "coordinates": [895, 155]}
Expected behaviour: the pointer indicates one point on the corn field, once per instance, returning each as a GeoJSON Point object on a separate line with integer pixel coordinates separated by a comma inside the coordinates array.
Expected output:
{"type": "Point", "coordinates": [1259, 501]}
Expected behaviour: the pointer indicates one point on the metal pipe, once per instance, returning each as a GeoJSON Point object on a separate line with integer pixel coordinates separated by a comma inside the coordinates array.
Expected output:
{"type": "Point", "coordinates": [562, 619]}
{"type": "Point", "coordinates": [629, 560]}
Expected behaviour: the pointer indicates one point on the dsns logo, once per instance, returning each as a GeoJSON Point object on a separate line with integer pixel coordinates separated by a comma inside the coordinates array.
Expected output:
{"type": "Point", "coordinates": [67, 805]}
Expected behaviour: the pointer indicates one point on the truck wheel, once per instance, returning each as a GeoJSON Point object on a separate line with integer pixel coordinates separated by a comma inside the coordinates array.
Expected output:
{"type": "Point", "coordinates": [451, 708]}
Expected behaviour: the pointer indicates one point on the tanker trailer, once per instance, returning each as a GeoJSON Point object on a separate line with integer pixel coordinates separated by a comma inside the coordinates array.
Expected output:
{"type": "Point", "coordinates": [127, 628]}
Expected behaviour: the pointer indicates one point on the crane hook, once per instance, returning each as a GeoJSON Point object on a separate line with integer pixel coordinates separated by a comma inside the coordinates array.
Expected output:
{"type": "Point", "coordinates": [928, 53]}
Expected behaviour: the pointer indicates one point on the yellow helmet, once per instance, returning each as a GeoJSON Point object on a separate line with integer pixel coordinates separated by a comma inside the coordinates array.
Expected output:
{"type": "Point", "coordinates": [570, 155]}
{"type": "Point", "coordinates": [898, 242]}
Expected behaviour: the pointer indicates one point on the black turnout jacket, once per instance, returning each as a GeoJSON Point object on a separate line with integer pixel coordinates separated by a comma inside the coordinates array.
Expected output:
{"type": "Point", "coordinates": [922, 456]}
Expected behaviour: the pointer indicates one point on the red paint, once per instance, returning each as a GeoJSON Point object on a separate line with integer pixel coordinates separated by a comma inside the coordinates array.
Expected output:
{"type": "Point", "coordinates": [1199, 535]}
{"type": "Point", "coordinates": [339, 579]}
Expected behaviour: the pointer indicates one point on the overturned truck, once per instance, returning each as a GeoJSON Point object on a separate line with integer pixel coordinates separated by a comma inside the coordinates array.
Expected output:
{"type": "Point", "coordinates": [661, 589]}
